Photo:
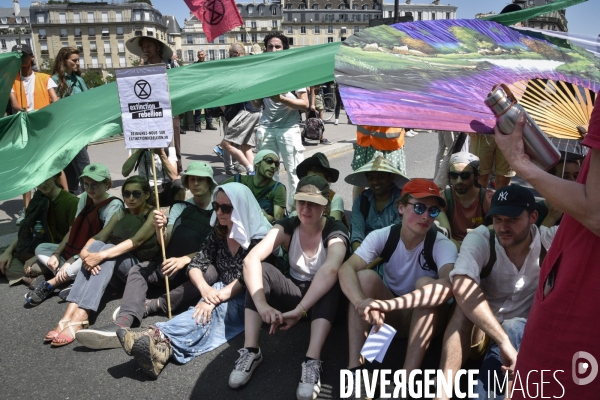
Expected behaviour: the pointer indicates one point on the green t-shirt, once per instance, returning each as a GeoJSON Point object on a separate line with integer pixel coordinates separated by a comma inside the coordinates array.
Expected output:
{"type": "Point", "coordinates": [62, 214]}
{"type": "Point", "coordinates": [277, 196]}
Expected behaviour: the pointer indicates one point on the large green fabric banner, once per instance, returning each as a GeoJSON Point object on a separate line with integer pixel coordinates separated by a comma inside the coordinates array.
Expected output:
{"type": "Point", "coordinates": [36, 145]}
{"type": "Point", "coordinates": [514, 17]}
{"type": "Point", "coordinates": [9, 68]}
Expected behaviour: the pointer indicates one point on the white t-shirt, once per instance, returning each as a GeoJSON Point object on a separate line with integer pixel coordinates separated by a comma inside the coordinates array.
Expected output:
{"type": "Point", "coordinates": [178, 208]}
{"type": "Point", "coordinates": [404, 268]}
{"type": "Point", "coordinates": [106, 212]}
{"type": "Point", "coordinates": [146, 165]}
{"type": "Point", "coordinates": [278, 115]}
{"type": "Point", "coordinates": [302, 267]}
{"type": "Point", "coordinates": [29, 87]}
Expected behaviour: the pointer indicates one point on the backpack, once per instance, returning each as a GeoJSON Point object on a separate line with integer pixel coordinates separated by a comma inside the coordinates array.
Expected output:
{"type": "Point", "coordinates": [492, 260]}
{"type": "Point", "coordinates": [450, 205]}
{"type": "Point", "coordinates": [190, 230]}
{"type": "Point", "coordinates": [313, 127]}
{"type": "Point", "coordinates": [232, 110]}
{"type": "Point", "coordinates": [86, 225]}
{"type": "Point", "coordinates": [426, 253]}
{"type": "Point", "coordinates": [262, 200]}
{"type": "Point", "coordinates": [28, 239]}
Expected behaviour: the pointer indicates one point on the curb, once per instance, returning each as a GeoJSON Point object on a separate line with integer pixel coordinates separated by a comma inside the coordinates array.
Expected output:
{"type": "Point", "coordinates": [331, 151]}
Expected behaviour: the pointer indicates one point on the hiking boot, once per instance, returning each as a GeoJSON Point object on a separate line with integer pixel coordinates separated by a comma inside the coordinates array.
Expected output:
{"type": "Point", "coordinates": [325, 141]}
{"type": "Point", "coordinates": [310, 382]}
{"type": "Point", "coordinates": [244, 367]}
{"type": "Point", "coordinates": [210, 127]}
{"type": "Point", "coordinates": [37, 282]}
{"type": "Point", "coordinates": [152, 355]}
{"type": "Point", "coordinates": [20, 217]}
{"type": "Point", "coordinates": [40, 294]}
{"type": "Point", "coordinates": [63, 294]}
{"type": "Point", "coordinates": [128, 336]}
{"type": "Point", "coordinates": [100, 338]}
{"type": "Point", "coordinates": [198, 128]}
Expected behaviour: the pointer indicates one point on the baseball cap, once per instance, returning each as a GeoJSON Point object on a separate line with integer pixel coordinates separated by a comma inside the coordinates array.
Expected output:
{"type": "Point", "coordinates": [314, 189]}
{"type": "Point", "coordinates": [198, 168]}
{"type": "Point", "coordinates": [23, 48]}
{"type": "Point", "coordinates": [97, 172]}
{"type": "Point", "coordinates": [511, 201]}
{"type": "Point", "coordinates": [420, 188]}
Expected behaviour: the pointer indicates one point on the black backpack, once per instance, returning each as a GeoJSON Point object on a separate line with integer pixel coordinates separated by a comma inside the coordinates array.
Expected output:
{"type": "Point", "coordinates": [190, 230]}
{"type": "Point", "coordinates": [426, 253]}
{"type": "Point", "coordinates": [28, 239]}
{"type": "Point", "coordinates": [313, 127]}
{"type": "Point", "coordinates": [450, 205]}
{"type": "Point", "coordinates": [492, 260]}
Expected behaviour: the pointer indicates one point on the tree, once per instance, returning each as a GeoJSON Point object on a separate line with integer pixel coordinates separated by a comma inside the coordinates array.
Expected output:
{"type": "Point", "coordinates": [92, 79]}
{"type": "Point", "coordinates": [46, 66]}
{"type": "Point", "coordinates": [110, 77]}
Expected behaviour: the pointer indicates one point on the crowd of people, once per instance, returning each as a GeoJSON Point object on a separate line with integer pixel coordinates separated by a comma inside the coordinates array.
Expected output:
{"type": "Point", "coordinates": [461, 260]}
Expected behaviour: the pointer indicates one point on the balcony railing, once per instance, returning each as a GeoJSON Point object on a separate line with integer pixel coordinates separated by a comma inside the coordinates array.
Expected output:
{"type": "Point", "coordinates": [77, 35]}
{"type": "Point", "coordinates": [44, 51]}
{"type": "Point", "coordinates": [107, 51]}
{"type": "Point", "coordinates": [58, 20]}
{"type": "Point", "coordinates": [93, 50]}
{"type": "Point", "coordinates": [121, 49]}
{"type": "Point", "coordinates": [122, 65]}
{"type": "Point", "coordinates": [43, 37]}
{"type": "Point", "coordinates": [94, 66]}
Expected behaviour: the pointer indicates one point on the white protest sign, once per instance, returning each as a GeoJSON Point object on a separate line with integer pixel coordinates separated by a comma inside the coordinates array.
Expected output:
{"type": "Point", "coordinates": [145, 106]}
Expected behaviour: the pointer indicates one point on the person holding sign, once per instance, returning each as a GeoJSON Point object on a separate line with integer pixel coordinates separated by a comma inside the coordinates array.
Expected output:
{"type": "Point", "coordinates": [127, 239]}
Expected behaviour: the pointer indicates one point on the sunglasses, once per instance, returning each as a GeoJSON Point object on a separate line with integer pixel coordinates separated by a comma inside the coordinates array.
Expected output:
{"type": "Point", "coordinates": [93, 186]}
{"type": "Point", "coordinates": [136, 194]}
{"type": "Point", "coordinates": [226, 208]}
{"type": "Point", "coordinates": [420, 208]}
{"type": "Point", "coordinates": [271, 161]}
{"type": "Point", "coordinates": [463, 175]}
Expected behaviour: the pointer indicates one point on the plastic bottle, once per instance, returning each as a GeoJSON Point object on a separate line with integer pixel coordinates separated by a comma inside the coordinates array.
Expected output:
{"type": "Point", "coordinates": [38, 229]}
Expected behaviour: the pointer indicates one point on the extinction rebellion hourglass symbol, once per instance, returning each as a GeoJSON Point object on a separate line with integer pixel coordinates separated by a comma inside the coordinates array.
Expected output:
{"type": "Point", "coordinates": [214, 11]}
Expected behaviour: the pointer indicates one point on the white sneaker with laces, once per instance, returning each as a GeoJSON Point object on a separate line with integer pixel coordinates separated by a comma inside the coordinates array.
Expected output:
{"type": "Point", "coordinates": [244, 367]}
{"type": "Point", "coordinates": [310, 383]}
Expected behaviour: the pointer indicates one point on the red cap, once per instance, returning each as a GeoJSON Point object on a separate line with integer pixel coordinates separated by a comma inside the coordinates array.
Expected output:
{"type": "Point", "coordinates": [419, 188]}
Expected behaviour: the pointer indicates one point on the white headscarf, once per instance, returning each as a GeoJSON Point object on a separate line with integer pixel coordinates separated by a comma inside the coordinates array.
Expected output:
{"type": "Point", "coordinates": [248, 219]}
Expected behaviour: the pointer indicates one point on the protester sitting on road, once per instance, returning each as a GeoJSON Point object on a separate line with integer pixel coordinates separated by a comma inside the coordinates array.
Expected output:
{"type": "Point", "coordinates": [376, 207]}
{"type": "Point", "coordinates": [96, 207]}
{"type": "Point", "coordinates": [125, 240]}
{"type": "Point", "coordinates": [279, 128]}
{"type": "Point", "coordinates": [467, 202]}
{"type": "Point", "coordinates": [47, 220]}
{"type": "Point", "coordinates": [318, 164]}
{"type": "Point", "coordinates": [413, 293]}
{"type": "Point", "coordinates": [216, 271]}
{"type": "Point", "coordinates": [67, 76]}
{"type": "Point", "coordinates": [317, 246]}
{"type": "Point", "coordinates": [494, 287]}
{"type": "Point", "coordinates": [548, 215]}
{"type": "Point", "coordinates": [373, 141]}
{"type": "Point", "coordinates": [187, 228]}
{"type": "Point", "coordinates": [269, 193]}
{"type": "Point", "coordinates": [168, 181]}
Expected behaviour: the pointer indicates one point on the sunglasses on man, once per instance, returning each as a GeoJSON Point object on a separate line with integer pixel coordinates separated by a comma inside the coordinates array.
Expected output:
{"type": "Point", "coordinates": [463, 175]}
{"type": "Point", "coordinates": [136, 194]}
{"type": "Point", "coordinates": [270, 161]}
{"type": "Point", "coordinates": [420, 208]}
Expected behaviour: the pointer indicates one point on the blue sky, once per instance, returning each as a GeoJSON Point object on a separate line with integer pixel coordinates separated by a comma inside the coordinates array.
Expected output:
{"type": "Point", "coordinates": [582, 18]}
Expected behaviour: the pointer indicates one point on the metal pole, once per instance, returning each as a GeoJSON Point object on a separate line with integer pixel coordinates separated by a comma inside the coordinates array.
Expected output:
{"type": "Point", "coordinates": [396, 7]}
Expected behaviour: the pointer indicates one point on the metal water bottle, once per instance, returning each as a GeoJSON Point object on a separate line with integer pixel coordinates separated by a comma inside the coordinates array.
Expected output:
{"type": "Point", "coordinates": [38, 229]}
{"type": "Point", "coordinates": [538, 147]}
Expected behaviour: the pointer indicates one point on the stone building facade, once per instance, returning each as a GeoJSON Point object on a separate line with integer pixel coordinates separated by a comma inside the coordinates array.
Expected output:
{"type": "Point", "coordinates": [554, 21]}
{"type": "Point", "coordinates": [422, 12]}
{"type": "Point", "coordinates": [14, 29]}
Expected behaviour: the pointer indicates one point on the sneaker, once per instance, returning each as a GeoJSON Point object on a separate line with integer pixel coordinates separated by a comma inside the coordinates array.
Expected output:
{"type": "Point", "coordinates": [152, 355]}
{"type": "Point", "coordinates": [239, 169]}
{"type": "Point", "coordinates": [411, 133]}
{"type": "Point", "coordinates": [244, 367]}
{"type": "Point", "coordinates": [37, 282]}
{"type": "Point", "coordinates": [40, 294]}
{"type": "Point", "coordinates": [20, 217]}
{"type": "Point", "coordinates": [218, 151]}
{"type": "Point", "coordinates": [230, 172]}
{"type": "Point", "coordinates": [101, 338]}
{"type": "Point", "coordinates": [63, 294]}
{"type": "Point", "coordinates": [210, 127]}
{"type": "Point", "coordinates": [337, 121]}
{"type": "Point", "coordinates": [310, 382]}
{"type": "Point", "coordinates": [149, 309]}
{"type": "Point", "coordinates": [252, 173]}
{"type": "Point", "coordinates": [128, 336]}
{"type": "Point", "coordinates": [325, 141]}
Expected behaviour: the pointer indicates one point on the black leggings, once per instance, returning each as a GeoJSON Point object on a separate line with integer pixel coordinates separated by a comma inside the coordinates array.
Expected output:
{"type": "Point", "coordinates": [284, 294]}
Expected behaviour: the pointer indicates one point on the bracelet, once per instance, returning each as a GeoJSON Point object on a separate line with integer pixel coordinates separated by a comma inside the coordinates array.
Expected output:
{"type": "Point", "coordinates": [56, 253]}
{"type": "Point", "coordinates": [303, 310]}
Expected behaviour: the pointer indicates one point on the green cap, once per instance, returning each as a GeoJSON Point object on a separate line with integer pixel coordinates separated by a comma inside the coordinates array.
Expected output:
{"type": "Point", "coordinates": [97, 172]}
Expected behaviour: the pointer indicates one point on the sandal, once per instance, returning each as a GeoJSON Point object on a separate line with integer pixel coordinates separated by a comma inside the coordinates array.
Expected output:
{"type": "Point", "coordinates": [62, 324]}
{"type": "Point", "coordinates": [68, 339]}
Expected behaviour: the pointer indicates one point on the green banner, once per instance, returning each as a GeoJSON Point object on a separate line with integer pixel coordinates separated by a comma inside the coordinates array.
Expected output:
{"type": "Point", "coordinates": [9, 68]}
{"type": "Point", "coordinates": [514, 17]}
{"type": "Point", "coordinates": [36, 145]}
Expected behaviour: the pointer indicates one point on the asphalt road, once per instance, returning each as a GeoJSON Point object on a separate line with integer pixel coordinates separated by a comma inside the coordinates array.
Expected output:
{"type": "Point", "coordinates": [31, 370]}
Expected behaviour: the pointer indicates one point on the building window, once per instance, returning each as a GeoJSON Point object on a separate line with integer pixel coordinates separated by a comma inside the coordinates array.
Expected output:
{"type": "Point", "coordinates": [303, 29]}
{"type": "Point", "coordinates": [317, 16]}
{"type": "Point", "coordinates": [64, 44]}
{"type": "Point", "coordinates": [92, 32]}
{"type": "Point", "coordinates": [274, 23]}
{"type": "Point", "coordinates": [303, 17]}
{"type": "Point", "coordinates": [42, 34]}
{"type": "Point", "coordinates": [189, 39]}
{"type": "Point", "coordinates": [222, 55]}
{"type": "Point", "coordinates": [62, 18]}
{"type": "Point", "coordinates": [365, 7]}
{"type": "Point", "coordinates": [302, 6]}
{"type": "Point", "coordinates": [273, 10]}
{"type": "Point", "coordinates": [253, 24]}
{"type": "Point", "coordinates": [433, 16]}
{"type": "Point", "coordinates": [317, 30]}
{"type": "Point", "coordinates": [328, 7]}
{"type": "Point", "coordinates": [40, 18]}
{"type": "Point", "coordinates": [94, 62]}
{"type": "Point", "coordinates": [250, 9]}
{"type": "Point", "coordinates": [355, 7]}
{"type": "Point", "coordinates": [119, 31]}
{"type": "Point", "coordinates": [79, 46]}
{"type": "Point", "coordinates": [290, 30]}
{"type": "Point", "coordinates": [149, 33]}
{"type": "Point", "coordinates": [242, 37]}
{"type": "Point", "coordinates": [3, 44]}
{"type": "Point", "coordinates": [106, 47]}
{"type": "Point", "coordinates": [44, 48]}
{"type": "Point", "coordinates": [121, 46]}
{"type": "Point", "coordinates": [288, 6]}
{"type": "Point", "coordinates": [122, 61]}
{"type": "Point", "coordinates": [291, 41]}
{"type": "Point", "coordinates": [77, 18]}
{"type": "Point", "coordinates": [119, 15]}
{"type": "Point", "coordinates": [109, 62]}
{"type": "Point", "coordinates": [190, 55]}
{"type": "Point", "coordinates": [146, 15]}
{"type": "Point", "coordinates": [315, 6]}
{"type": "Point", "coordinates": [367, 17]}
{"type": "Point", "coordinates": [211, 54]}
{"type": "Point", "coordinates": [222, 39]}
{"type": "Point", "coordinates": [290, 17]}
{"type": "Point", "coordinates": [90, 17]}
{"type": "Point", "coordinates": [137, 15]}
{"type": "Point", "coordinates": [447, 15]}
{"type": "Point", "coordinates": [330, 30]}
{"type": "Point", "coordinates": [342, 7]}
{"type": "Point", "coordinates": [63, 33]}
{"type": "Point", "coordinates": [329, 40]}
{"type": "Point", "coordinates": [104, 16]}
{"type": "Point", "coordinates": [260, 10]}
{"type": "Point", "coordinates": [93, 48]}
{"type": "Point", "coordinates": [419, 16]}
{"type": "Point", "coordinates": [356, 29]}
{"type": "Point", "coordinates": [77, 32]}
{"type": "Point", "coordinates": [105, 32]}
{"type": "Point", "coordinates": [376, 7]}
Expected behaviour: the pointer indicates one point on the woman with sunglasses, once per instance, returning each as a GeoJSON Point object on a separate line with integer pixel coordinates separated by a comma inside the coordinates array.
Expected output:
{"type": "Point", "coordinates": [96, 207]}
{"type": "Point", "coordinates": [317, 246]}
{"type": "Point", "coordinates": [126, 239]}
{"type": "Point", "coordinates": [216, 270]}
